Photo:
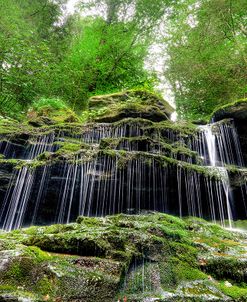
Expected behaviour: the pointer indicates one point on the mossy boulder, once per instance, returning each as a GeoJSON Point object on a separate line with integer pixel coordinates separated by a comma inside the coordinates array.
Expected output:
{"type": "Point", "coordinates": [131, 103]}
{"type": "Point", "coordinates": [151, 145]}
{"type": "Point", "coordinates": [50, 112]}
{"type": "Point", "coordinates": [149, 257]}
{"type": "Point", "coordinates": [236, 110]}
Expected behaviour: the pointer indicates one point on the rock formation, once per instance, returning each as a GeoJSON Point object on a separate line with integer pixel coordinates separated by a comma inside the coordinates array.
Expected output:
{"type": "Point", "coordinates": [127, 160]}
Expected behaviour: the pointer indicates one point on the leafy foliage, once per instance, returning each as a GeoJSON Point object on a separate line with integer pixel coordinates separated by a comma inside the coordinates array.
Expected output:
{"type": "Point", "coordinates": [102, 58]}
{"type": "Point", "coordinates": [55, 104]}
{"type": "Point", "coordinates": [41, 56]}
{"type": "Point", "coordinates": [107, 53]}
{"type": "Point", "coordinates": [27, 49]}
{"type": "Point", "coordinates": [104, 46]}
{"type": "Point", "coordinates": [208, 54]}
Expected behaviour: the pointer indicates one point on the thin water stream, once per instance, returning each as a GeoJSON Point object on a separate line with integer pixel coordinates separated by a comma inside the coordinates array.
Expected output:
{"type": "Point", "coordinates": [217, 162]}
{"type": "Point", "coordinates": [125, 182]}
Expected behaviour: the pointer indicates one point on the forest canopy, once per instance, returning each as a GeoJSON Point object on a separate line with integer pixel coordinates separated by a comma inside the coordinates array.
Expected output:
{"type": "Point", "coordinates": [107, 46]}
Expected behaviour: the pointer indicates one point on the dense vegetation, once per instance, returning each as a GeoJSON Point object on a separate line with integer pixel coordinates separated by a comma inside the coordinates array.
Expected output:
{"type": "Point", "coordinates": [104, 47]}
{"type": "Point", "coordinates": [208, 54]}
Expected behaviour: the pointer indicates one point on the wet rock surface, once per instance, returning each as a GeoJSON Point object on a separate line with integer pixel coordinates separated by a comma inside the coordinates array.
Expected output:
{"type": "Point", "coordinates": [148, 257]}
{"type": "Point", "coordinates": [128, 158]}
{"type": "Point", "coordinates": [61, 171]}
{"type": "Point", "coordinates": [238, 112]}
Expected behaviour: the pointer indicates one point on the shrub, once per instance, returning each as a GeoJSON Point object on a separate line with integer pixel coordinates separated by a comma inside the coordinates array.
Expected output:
{"type": "Point", "coordinates": [52, 103]}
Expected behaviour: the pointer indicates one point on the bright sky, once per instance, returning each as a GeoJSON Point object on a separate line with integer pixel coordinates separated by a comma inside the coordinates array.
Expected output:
{"type": "Point", "coordinates": [70, 7]}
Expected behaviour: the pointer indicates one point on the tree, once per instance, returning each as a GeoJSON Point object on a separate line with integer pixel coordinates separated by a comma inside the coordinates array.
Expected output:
{"type": "Point", "coordinates": [108, 51]}
{"type": "Point", "coordinates": [207, 53]}
{"type": "Point", "coordinates": [27, 47]}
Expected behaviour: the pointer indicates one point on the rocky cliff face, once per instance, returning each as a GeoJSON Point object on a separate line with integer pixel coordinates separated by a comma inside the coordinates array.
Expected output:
{"type": "Point", "coordinates": [138, 160]}
{"type": "Point", "coordinates": [238, 112]}
{"type": "Point", "coordinates": [128, 158]}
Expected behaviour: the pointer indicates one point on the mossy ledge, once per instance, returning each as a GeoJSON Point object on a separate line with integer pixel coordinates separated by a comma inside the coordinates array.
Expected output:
{"type": "Point", "coordinates": [76, 155]}
{"type": "Point", "coordinates": [91, 260]}
{"type": "Point", "coordinates": [235, 109]}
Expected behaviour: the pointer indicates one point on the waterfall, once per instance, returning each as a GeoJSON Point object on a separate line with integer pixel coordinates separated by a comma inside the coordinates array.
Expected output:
{"type": "Point", "coordinates": [136, 166]}
{"type": "Point", "coordinates": [226, 187]}
{"type": "Point", "coordinates": [211, 142]}
{"type": "Point", "coordinates": [39, 145]}
{"type": "Point", "coordinates": [15, 205]}
{"type": "Point", "coordinates": [28, 147]}
{"type": "Point", "coordinates": [218, 144]}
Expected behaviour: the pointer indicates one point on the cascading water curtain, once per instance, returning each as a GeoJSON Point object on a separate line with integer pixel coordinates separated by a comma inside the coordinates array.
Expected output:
{"type": "Point", "coordinates": [129, 181]}
{"type": "Point", "coordinates": [15, 204]}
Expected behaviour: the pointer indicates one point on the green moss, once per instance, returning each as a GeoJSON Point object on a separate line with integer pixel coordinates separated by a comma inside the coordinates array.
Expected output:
{"type": "Point", "coordinates": [89, 221]}
{"type": "Point", "coordinates": [50, 111]}
{"type": "Point", "coordinates": [16, 272]}
{"type": "Point", "coordinates": [172, 221]}
{"type": "Point", "coordinates": [68, 147]}
{"type": "Point", "coordinates": [19, 271]}
{"type": "Point", "coordinates": [146, 143]}
{"type": "Point", "coordinates": [229, 107]}
{"type": "Point", "coordinates": [12, 162]}
{"type": "Point", "coordinates": [123, 157]}
{"type": "Point", "coordinates": [174, 271]}
{"type": "Point", "coordinates": [135, 103]}
{"type": "Point", "coordinates": [44, 286]}
{"type": "Point", "coordinates": [233, 291]}
{"type": "Point", "coordinates": [187, 273]}
{"type": "Point", "coordinates": [91, 257]}
{"type": "Point", "coordinates": [226, 267]}
{"type": "Point", "coordinates": [12, 127]}
{"type": "Point", "coordinates": [240, 224]}
{"type": "Point", "coordinates": [216, 232]}
{"type": "Point", "coordinates": [30, 164]}
{"type": "Point", "coordinates": [38, 254]}
{"type": "Point", "coordinates": [34, 164]}
{"type": "Point", "coordinates": [4, 288]}
{"type": "Point", "coordinates": [139, 95]}
{"type": "Point", "coordinates": [183, 129]}
{"type": "Point", "coordinates": [15, 294]}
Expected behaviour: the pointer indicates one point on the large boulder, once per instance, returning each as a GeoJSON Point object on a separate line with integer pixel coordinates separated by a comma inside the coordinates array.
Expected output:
{"type": "Point", "coordinates": [236, 110]}
{"type": "Point", "coordinates": [148, 257]}
{"type": "Point", "coordinates": [131, 103]}
{"type": "Point", "coordinates": [50, 112]}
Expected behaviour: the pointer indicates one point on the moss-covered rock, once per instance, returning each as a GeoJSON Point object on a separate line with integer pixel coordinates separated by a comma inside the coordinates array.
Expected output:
{"type": "Point", "coordinates": [149, 256]}
{"type": "Point", "coordinates": [151, 145]}
{"type": "Point", "coordinates": [131, 103]}
{"type": "Point", "coordinates": [236, 110]}
{"type": "Point", "coordinates": [49, 112]}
